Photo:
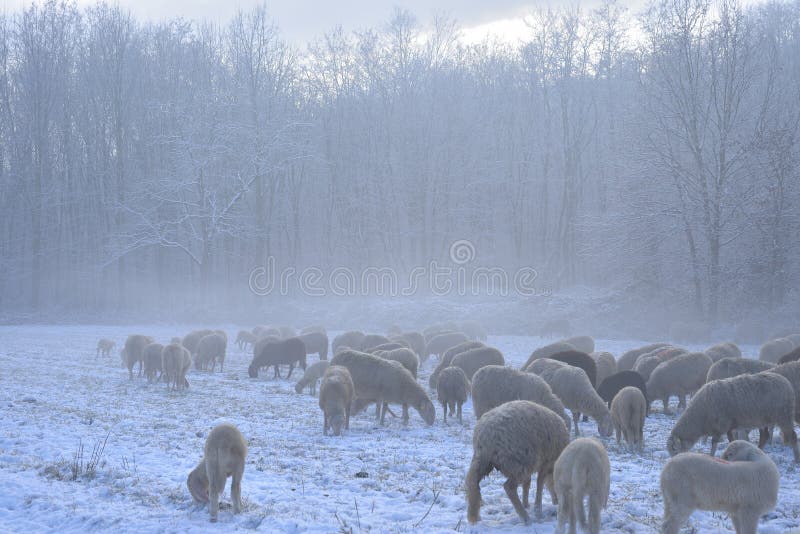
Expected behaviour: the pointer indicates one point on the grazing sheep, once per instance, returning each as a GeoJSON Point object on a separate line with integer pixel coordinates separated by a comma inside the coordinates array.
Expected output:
{"type": "Point", "coordinates": [175, 362]}
{"type": "Point", "coordinates": [791, 372]}
{"type": "Point", "coordinates": [794, 338]}
{"type": "Point", "coordinates": [471, 360]}
{"type": "Point", "coordinates": [440, 343]}
{"type": "Point", "coordinates": [403, 356]}
{"type": "Point", "coordinates": [447, 359]}
{"type": "Point", "coordinates": [134, 352]}
{"type": "Point", "coordinates": [385, 381]}
{"type": "Point", "coordinates": [744, 483]}
{"type": "Point", "coordinates": [744, 401]}
{"type": "Point", "coordinates": [572, 386]}
{"type": "Point", "coordinates": [415, 340]}
{"type": "Point", "coordinates": [668, 353]}
{"type": "Point", "coordinates": [681, 376]}
{"type": "Point", "coordinates": [612, 385]}
{"type": "Point", "coordinates": [372, 340]}
{"type": "Point", "coordinates": [606, 365]}
{"type": "Point", "coordinates": [517, 438]}
{"type": "Point", "coordinates": [791, 357]}
{"type": "Point", "coordinates": [628, 359]}
{"type": "Point", "coordinates": [452, 390]}
{"type": "Point", "coordinates": [388, 346]}
{"type": "Point", "coordinates": [473, 330]}
{"type": "Point", "coordinates": [191, 339]}
{"type": "Point", "coordinates": [581, 343]}
{"type": "Point", "coordinates": [494, 385]}
{"type": "Point", "coordinates": [546, 352]}
{"type": "Point", "coordinates": [582, 470]}
{"type": "Point", "coordinates": [245, 338]}
{"type": "Point", "coordinates": [289, 351]}
{"type": "Point", "coordinates": [351, 339]}
{"type": "Point", "coordinates": [314, 328]}
{"type": "Point", "coordinates": [313, 373]}
{"type": "Point", "coordinates": [628, 410]}
{"type": "Point", "coordinates": [152, 361]}
{"type": "Point", "coordinates": [581, 360]}
{"type": "Point", "coordinates": [316, 343]}
{"type": "Point", "coordinates": [335, 396]}
{"type": "Point", "coordinates": [210, 349]}
{"type": "Point", "coordinates": [723, 350]}
{"type": "Point", "coordinates": [646, 365]}
{"type": "Point", "coordinates": [104, 346]}
{"type": "Point", "coordinates": [772, 351]}
{"type": "Point", "coordinates": [223, 456]}
{"type": "Point", "coordinates": [556, 327]}
{"type": "Point", "coordinates": [545, 367]}
{"type": "Point", "coordinates": [729, 367]}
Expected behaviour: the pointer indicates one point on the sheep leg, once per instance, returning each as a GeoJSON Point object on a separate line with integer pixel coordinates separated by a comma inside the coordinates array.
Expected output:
{"type": "Point", "coordinates": [617, 432]}
{"type": "Point", "coordinates": [382, 408]}
{"type": "Point", "coordinates": [347, 416]}
{"type": "Point", "coordinates": [714, 443]}
{"type": "Point", "coordinates": [444, 411]}
{"type": "Point", "coordinates": [594, 514]}
{"type": "Point", "coordinates": [575, 417]}
{"type": "Point", "coordinates": [745, 521]}
{"type": "Point", "coordinates": [762, 437]}
{"type": "Point", "coordinates": [563, 513]}
{"type": "Point", "coordinates": [459, 412]}
{"type": "Point", "coordinates": [510, 486]}
{"type": "Point", "coordinates": [526, 488]}
{"type": "Point", "coordinates": [537, 503]}
{"type": "Point", "coordinates": [236, 488]}
{"type": "Point", "coordinates": [730, 436]}
{"type": "Point", "coordinates": [324, 423]}
{"type": "Point", "coordinates": [674, 517]}
{"type": "Point", "coordinates": [550, 483]}
{"type": "Point", "coordinates": [405, 414]}
{"type": "Point", "coordinates": [291, 368]}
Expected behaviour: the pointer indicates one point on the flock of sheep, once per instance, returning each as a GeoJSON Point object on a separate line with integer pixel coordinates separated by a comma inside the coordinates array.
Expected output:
{"type": "Point", "coordinates": [525, 416]}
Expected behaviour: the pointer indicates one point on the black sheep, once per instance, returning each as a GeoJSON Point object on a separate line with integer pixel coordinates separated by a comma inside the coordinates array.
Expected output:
{"type": "Point", "coordinates": [614, 383]}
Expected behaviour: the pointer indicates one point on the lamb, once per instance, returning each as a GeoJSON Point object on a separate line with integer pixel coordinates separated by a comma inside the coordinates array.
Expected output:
{"type": "Point", "coordinates": [791, 357]}
{"type": "Point", "coordinates": [494, 385]}
{"type": "Point", "coordinates": [452, 390]}
{"type": "Point", "coordinates": [572, 386]}
{"type": "Point", "coordinates": [581, 360]}
{"type": "Point", "coordinates": [612, 385]}
{"type": "Point", "coordinates": [372, 340]}
{"type": "Point", "coordinates": [729, 367]}
{"type": "Point", "coordinates": [646, 365]}
{"type": "Point", "coordinates": [628, 410]}
{"type": "Point", "coordinates": [134, 352]}
{"type": "Point", "coordinates": [403, 356]}
{"type": "Point", "coordinates": [223, 456]}
{"type": "Point", "coordinates": [415, 341]}
{"type": "Point", "coordinates": [385, 381]}
{"type": "Point", "coordinates": [335, 398]}
{"type": "Point", "coordinates": [680, 376]}
{"type": "Point", "coordinates": [723, 350]}
{"type": "Point", "coordinates": [245, 338]}
{"type": "Point", "coordinates": [351, 339]}
{"type": "Point", "coordinates": [628, 359]}
{"type": "Point", "coordinates": [191, 339]}
{"type": "Point", "coordinates": [546, 352]}
{"type": "Point", "coordinates": [313, 373]}
{"type": "Point", "coordinates": [517, 438]}
{"type": "Point", "coordinates": [744, 401]}
{"type": "Point", "coordinates": [447, 358]}
{"type": "Point", "coordinates": [104, 346]}
{"type": "Point", "coordinates": [152, 361]}
{"type": "Point", "coordinates": [472, 360]}
{"type": "Point", "coordinates": [606, 365]}
{"type": "Point", "coordinates": [791, 372]}
{"type": "Point", "coordinates": [582, 470]}
{"type": "Point", "coordinates": [580, 343]}
{"type": "Point", "coordinates": [556, 327]}
{"type": "Point", "coordinates": [772, 351]}
{"type": "Point", "coordinates": [210, 349]}
{"type": "Point", "coordinates": [316, 342]}
{"type": "Point", "coordinates": [175, 362]}
{"type": "Point", "coordinates": [744, 484]}
{"type": "Point", "coordinates": [289, 351]}
{"type": "Point", "coordinates": [440, 343]}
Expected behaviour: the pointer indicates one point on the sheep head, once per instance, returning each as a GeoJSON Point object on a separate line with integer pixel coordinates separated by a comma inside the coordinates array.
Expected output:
{"type": "Point", "coordinates": [197, 482]}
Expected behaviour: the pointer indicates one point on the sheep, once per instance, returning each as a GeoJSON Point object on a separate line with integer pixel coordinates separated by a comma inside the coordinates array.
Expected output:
{"type": "Point", "coordinates": [546, 351]}
{"type": "Point", "coordinates": [612, 385]}
{"type": "Point", "coordinates": [104, 346]}
{"type": "Point", "coordinates": [175, 362]}
{"type": "Point", "coordinates": [580, 343]}
{"type": "Point", "coordinates": [791, 357]}
{"type": "Point", "coordinates": [314, 328]}
{"type": "Point", "coordinates": [472, 360]}
{"type": "Point", "coordinates": [628, 410]}
{"type": "Point", "coordinates": [210, 349]}
{"type": "Point", "coordinates": [245, 338]}
{"type": "Point", "coordinates": [440, 343]}
{"type": "Point", "coordinates": [729, 367]}
{"type": "Point", "coordinates": [628, 359]}
{"type": "Point", "coordinates": [545, 367]}
{"type": "Point", "coordinates": [452, 390]}
{"type": "Point", "coordinates": [152, 361]}
{"type": "Point", "coordinates": [744, 401]}
{"type": "Point", "coordinates": [286, 332]}
{"type": "Point", "coordinates": [517, 438]}
{"type": "Point", "coordinates": [134, 352]}
{"type": "Point", "coordinates": [679, 376]}
{"type": "Point", "coordinates": [795, 339]}
{"type": "Point", "coordinates": [473, 329]}
{"type": "Point", "coordinates": [191, 339]}
{"type": "Point", "coordinates": [372, 340]}
{"type": "Point", "coordinates": [335, 396]}
{"type": "Point", "coordinates": [791, 372]}
{"type": "Point", "coordinates": [581, 360]}
{"type": "Point", "coordinates": [388, 346]}
{"type": "Point", "coordinates": [772, 351]}
{"type": "Point", "coordinates": [403, 356]}
{"type": "Point", "coordinates": [582, 470]}
{"type": "Point", "coordinates": [289, 351]}
{"type": "Point", "coordinates": [606, 365]}
{"type": "Point", "coordinates": [316, 342]}
{"type": "Point", "coordinates": [385, 381]}
{"type": "Point", "coordinates": [313, 373]}
{"type": "Point", "coordinates": [555, 327]}
{"type": "Point", "coordinates": [723, 350]}
{"type": "Point", "coordinates": [668, 353]}
{"type": "Point", "coordinates": [744, 483]}
{"type": "Point", "coordinates": [572, 386]}
{"type": "Point", "coordinates": [447, 358]}
{"type": "Point", "coordinates": [415, 341]}
{"type": "Point", "coordinates": [350, 339]}
{"type": "Point", "coordinates": [223, 456]}
{"type": "Point", "coordinates": [433, 331]}
{"type": "Point", "coordinates": [646, 365]}
{"type": "Point", "coordinates": [266, 331]}
{"type": "Point", "coordinates": [494, 385]}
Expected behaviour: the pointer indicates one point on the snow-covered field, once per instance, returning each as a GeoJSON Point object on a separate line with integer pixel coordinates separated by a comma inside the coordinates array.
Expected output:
{"type": "Point", "coordinates": [55, 395]}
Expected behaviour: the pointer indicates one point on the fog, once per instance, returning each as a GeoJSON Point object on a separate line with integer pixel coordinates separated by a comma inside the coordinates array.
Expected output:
{"type": "Point", "coordinates": [156, 169]}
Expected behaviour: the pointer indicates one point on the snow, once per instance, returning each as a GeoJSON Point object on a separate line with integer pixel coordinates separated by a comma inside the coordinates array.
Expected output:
{"type": "Point", "coordinates": [57, 395]}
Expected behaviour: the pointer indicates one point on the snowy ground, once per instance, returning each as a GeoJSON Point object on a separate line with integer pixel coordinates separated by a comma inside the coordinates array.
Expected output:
{"type": "Point", "coordinates": [56, 395]}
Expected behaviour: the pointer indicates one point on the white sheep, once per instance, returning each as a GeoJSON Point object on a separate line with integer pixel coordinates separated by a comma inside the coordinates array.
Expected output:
{"type": "Point", "coordinates": [547, 351]}
{"type": "Point", "coordinates": [335, 397]}
{"type": "Point", "coordinates": [452, 390]}
{"type": "Point", "coordinates": [646, 364]}
{"type": "Point", "coordinates": [223, 456]}
{"type": "Point", "coordinates": [729, 367]}
{"type": "Point", "coordinates": [582, 470]}
{"type": "Point", "coordinates": [175, 362]}
{"type": "Point", "coordinates": [447, 358]}
{"type": "Point", "coordinates": [572, 386]}
{"type": "Point", "coordinates": [153, 366]}
{"type": "Point", "coordinates": [210, 349]}
{"type": "Point", "coordinates": [606, 365]}
{"type": "Point", "coordinates": [628, 410]}
{"type": "Point", "coordinates": [723, 350]}
{"type": "Point", "coordinates": [312, 374]}
{"type": "Point", "coordinates": [134, 352]}
{"type": "Point", "coordinates": [744, 483]}
{"type": "Point", "coordinates": [627, 361]}
{"type": "Point", "coordinates": [104, 346]}
{"type": "Point", "coordinates": [472, 360]}
{"type": "Point", "coordinates": [791, 372]}
{"type": "Point", "coordinates": [517, 438]}
{"type": "Point", "coordinates": [405, 357]}
{"type": "Point", "coordinates": [681, 376]}
{"type": "Point", "coordinates": [771, 351]}
{"type": "Point", "coordinates": [581, 343]}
